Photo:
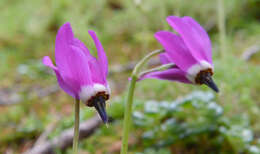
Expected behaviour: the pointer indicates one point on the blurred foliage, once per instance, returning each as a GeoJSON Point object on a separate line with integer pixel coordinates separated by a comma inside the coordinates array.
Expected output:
{"type": "Point", "coordinates": [193, 124]}
{"type": "Point", "coordinates": [198, 123]}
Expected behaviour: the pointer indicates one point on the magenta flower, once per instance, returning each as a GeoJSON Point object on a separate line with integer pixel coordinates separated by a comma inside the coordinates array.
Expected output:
{"type": "Point", "coordinates": [190, 51]}
{"type": "Point", "coordinates": [78, 73]}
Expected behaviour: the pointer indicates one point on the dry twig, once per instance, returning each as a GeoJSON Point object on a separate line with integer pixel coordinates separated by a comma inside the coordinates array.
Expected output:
{"type": "Point", "coordinates": [249, 52]}
{"type": "Point", "coordinates": [65, 139]}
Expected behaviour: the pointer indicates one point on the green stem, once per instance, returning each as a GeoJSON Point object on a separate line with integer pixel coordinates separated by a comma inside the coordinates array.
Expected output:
{"type": "Point", "coordinates": [159, 68]}
{"type": "Point", "coordinates": [221, 27]}
{"type": "Point", "coordinates": [177, 9]}
{"type": "Point", "coordinates": [129, 102]}
{"type": "Point", "coordinates": [145, 60]}
{"type": "Point", "coordinates": [76, 127]}
{"type": "Point", "coordinates": [128, 115]}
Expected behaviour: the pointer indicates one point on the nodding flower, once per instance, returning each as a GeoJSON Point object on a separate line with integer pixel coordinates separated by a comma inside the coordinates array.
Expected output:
{"type": "Point", "coordinates": [78, 73]}
{"type": "Point", "coordinates": [189, 50]}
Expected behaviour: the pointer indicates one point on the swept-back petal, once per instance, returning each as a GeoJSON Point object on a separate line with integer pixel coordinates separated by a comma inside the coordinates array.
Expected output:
{"type": "Point", "coordinates": [81, 45]}
{"type": "Point", "coordinates": [70, 90]}
{"type": "Point", "coordinates": [173, 74]}
{"type": "Point", "coordinates": [71, 60]}
{"type": "Point", "coordinates": [176, 49]}
{"type": "Point", "coordinates": [94, 66]}
{"type": "Point", "coordinates": [102, 58]}
{"type": "Point", "coordinates": [164, 58]}
{"type": "Point", "coordinates": [96, 72]}
{"type": "Point", "coordinates": [194, 36]}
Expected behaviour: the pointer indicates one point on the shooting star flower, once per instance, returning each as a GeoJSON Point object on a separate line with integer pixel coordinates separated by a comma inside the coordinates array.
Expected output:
{"type": "Point", "coordinates": [190, 51]}
{"type": "Point", "coordinates": [78, 73]}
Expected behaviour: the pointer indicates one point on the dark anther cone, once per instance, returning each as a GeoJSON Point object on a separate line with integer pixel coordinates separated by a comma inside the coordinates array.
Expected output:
{"type": "Point", "coordinates": [207, 80]}
{"type": "Point", "coordinates": [100, 106]}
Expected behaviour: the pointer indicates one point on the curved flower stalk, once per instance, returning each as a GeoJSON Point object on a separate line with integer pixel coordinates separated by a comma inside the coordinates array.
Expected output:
{"type": "Point", "coordinates": [190, 51]}
{"type": "Point", "coordinates": [129, 101]}
{"type": "Point", "coordinates": [80, 74]}
{"type": "Point", "coordinates": [186, 58]}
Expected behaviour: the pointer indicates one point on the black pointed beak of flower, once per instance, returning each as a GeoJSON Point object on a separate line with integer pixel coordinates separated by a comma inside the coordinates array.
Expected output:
{"type": "Point", "coordinates": [207, 80]}
{"type": "Point", "coordinates": [100, 106]}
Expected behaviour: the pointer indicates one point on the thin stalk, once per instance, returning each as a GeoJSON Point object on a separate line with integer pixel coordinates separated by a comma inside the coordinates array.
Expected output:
{"type": "Point", "coordinates": [128, 115]}
{"type": "Point", "coordinates": [159, 68]}
{"type": "Point", "coordinates": [221, 27]}
{"type": "Point", "coordinates": [177, 9]}
{"type": "Point", "coordinates": [76, 127]}
{"type": "Point", "coordinates": [140, 64]}
{"type": "Point", "coordinates": [129, 102]}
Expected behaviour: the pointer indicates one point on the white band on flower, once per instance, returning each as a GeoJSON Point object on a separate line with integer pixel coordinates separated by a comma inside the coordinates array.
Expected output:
{"type": "Point", "coordinates": [87, 92]}
{"type": "Point", "coordinates": [196, 68]}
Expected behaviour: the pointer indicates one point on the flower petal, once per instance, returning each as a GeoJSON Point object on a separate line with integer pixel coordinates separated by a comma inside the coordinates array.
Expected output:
{"type": "Point", "coordinates": [71, 60]}
{"type": "Point", "coordinates": [71, 91]}
{"type": "Point", "coordinates": [96, 72]}
{"type": "Point", "coordinates": [102, 58]}
{"type": "Point", "coordinates": [164, 58]}
{"type": "Point", "coordinates": [82, 46]}
{"type": "Point", "coordinates": [194, 36]}
{"type": "Point", "coordinates": [176, 49]}
{"type": "Point", "coordinates": [173, 74]}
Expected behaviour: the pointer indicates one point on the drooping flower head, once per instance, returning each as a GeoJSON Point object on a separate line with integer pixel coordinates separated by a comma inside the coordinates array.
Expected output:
{"type": "Point", "coordinates": [189, 50]}
{"type": "Point", "coordinates": [78, 73]}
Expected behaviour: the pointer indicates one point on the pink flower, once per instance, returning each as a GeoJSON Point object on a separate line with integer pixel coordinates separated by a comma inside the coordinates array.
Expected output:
{"type": "Point", "coordinates": [78, 73]}
{"type": "Point", "coordinates": [190, 51]}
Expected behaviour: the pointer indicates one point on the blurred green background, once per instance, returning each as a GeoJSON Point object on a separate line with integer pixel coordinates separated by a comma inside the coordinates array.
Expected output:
{"type": "Point", "coordinates": [168, 117]}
